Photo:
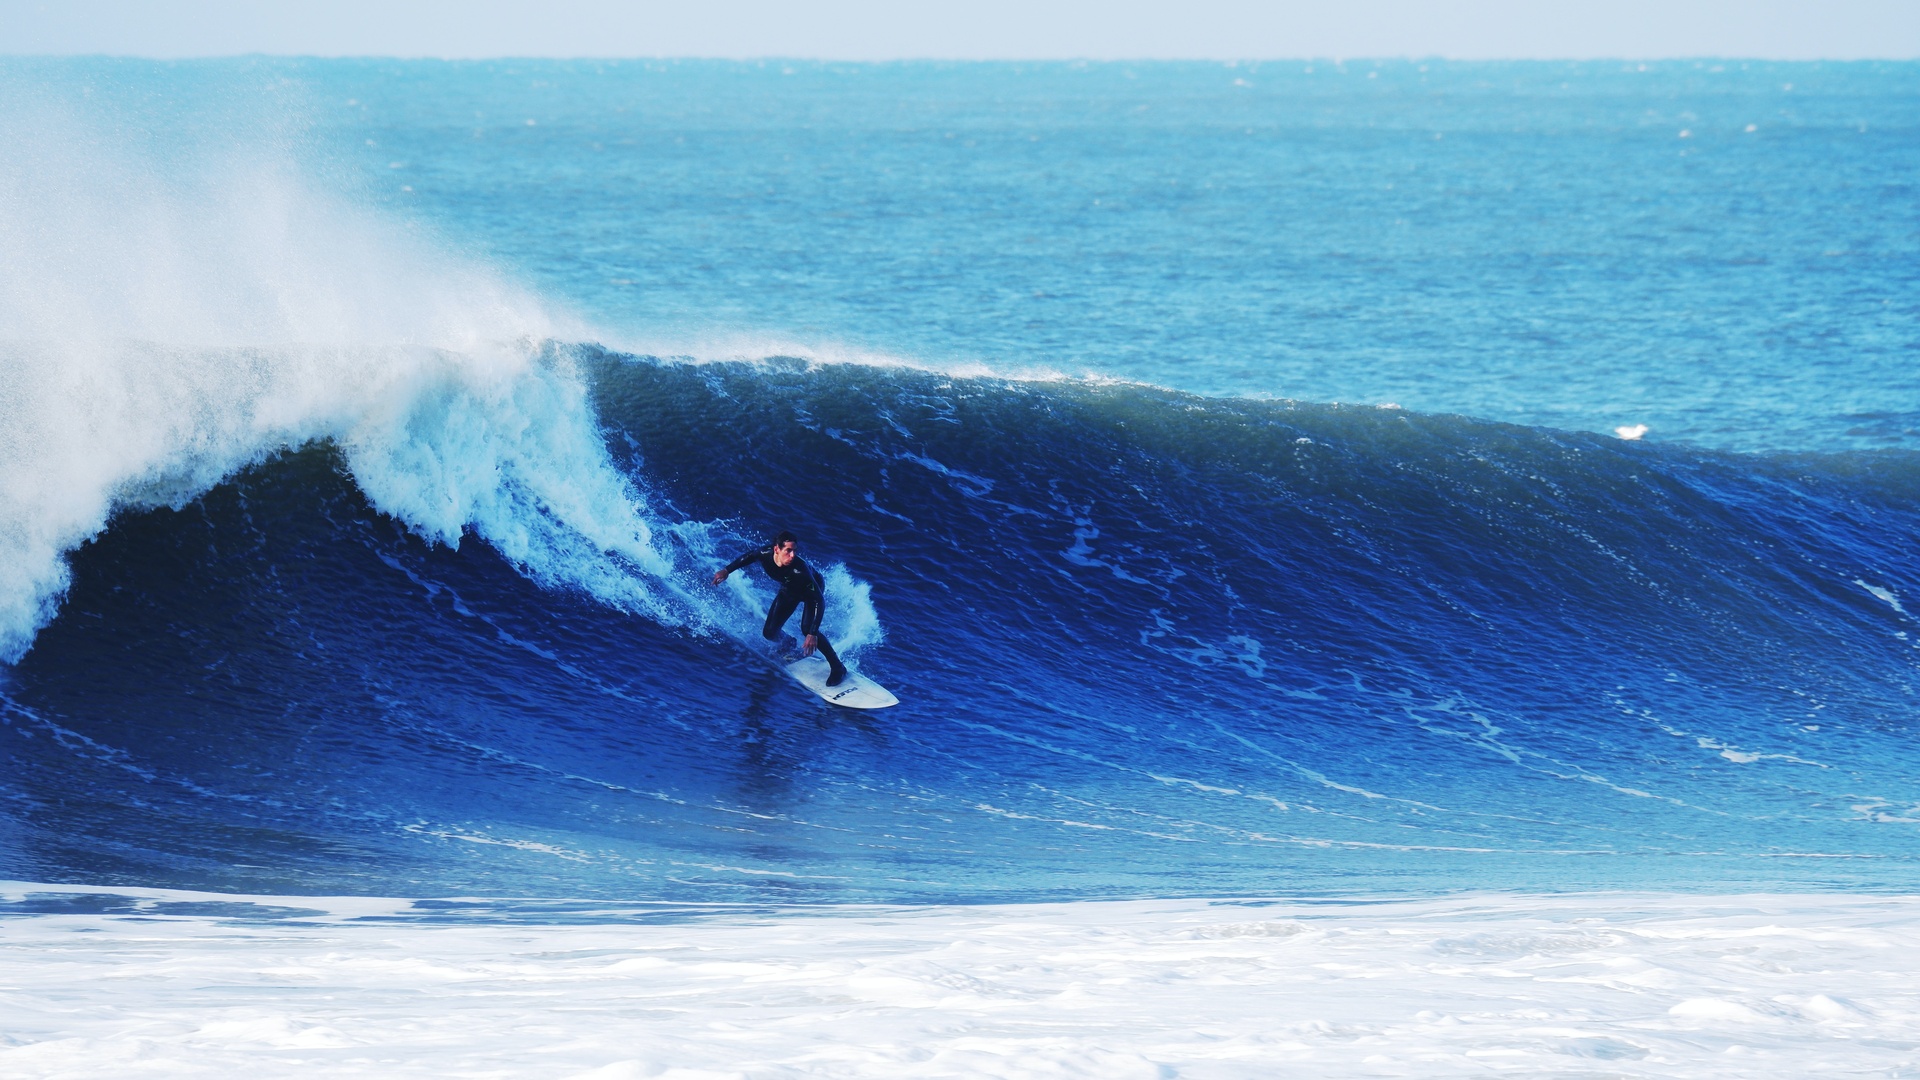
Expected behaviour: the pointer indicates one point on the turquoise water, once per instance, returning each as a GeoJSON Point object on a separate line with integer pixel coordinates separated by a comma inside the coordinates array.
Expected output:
{"type": "Point", "coordinates": [1726, 253]}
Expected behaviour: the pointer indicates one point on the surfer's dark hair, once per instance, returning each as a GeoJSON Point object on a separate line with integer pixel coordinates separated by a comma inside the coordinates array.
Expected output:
{"type": "Point", "coordinates": [785, 537]}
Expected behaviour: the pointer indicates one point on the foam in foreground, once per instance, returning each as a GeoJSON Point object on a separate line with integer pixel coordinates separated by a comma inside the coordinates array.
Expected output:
{"type": "Point", "coordinates": [1616, 985]}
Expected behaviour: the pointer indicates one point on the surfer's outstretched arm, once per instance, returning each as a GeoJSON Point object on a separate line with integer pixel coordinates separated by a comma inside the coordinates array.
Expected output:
{"type": "Point", "coordinates": [740, 563]}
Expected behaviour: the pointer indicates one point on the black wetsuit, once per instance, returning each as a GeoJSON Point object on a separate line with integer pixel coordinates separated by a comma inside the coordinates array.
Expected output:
{"type": "Point", "coordinates": [799, 584]}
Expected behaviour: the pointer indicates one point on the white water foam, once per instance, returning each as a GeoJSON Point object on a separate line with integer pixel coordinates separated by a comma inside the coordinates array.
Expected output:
{"type": "Point", "coordinates": [769, 348]}
{"type": "Point", "coordinates": [1565, 986]}
{"type": "Point", "coordinates": [165, 322]}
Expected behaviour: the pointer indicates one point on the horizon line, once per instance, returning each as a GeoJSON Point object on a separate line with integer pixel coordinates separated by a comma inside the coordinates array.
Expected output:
{"type": "Point", "coordinates": [790, 58]}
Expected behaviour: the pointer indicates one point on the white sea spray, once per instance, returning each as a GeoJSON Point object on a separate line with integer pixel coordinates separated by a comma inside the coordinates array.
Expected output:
{"type": "Point", "coordinates": [170, 315]}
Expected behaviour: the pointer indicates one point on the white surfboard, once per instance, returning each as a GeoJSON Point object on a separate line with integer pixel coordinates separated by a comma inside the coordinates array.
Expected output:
{"type": "Point", "coordinates": [856, 692]}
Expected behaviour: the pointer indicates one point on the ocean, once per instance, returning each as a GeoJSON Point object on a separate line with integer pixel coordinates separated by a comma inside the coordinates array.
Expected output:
{"type": "Point", "coordinates": [1473, 502]}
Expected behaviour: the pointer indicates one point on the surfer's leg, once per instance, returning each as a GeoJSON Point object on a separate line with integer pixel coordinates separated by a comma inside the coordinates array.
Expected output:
{"type": "Point", "coordinates": [836, 671]}
{"type": "Point", "coordinates": [778, 614]}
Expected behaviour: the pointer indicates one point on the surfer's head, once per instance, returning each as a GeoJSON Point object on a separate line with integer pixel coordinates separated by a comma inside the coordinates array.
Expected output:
{"type": "Point", "coordinates": [784, 547]}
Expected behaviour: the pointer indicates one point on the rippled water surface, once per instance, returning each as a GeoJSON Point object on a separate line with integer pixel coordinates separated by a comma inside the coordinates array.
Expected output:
{"type": "Point", "coordinates": [1220, 462]}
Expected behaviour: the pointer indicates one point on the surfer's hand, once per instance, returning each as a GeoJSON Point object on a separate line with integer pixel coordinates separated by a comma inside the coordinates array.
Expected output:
{"type": "Point", "coordinates": [719, 576]}
{"type": "Point", "coordinates": [806, 647]}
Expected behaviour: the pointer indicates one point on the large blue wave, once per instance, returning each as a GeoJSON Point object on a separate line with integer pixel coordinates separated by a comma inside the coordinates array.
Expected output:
{"type": "Point", "coordinates": [1147, 644]}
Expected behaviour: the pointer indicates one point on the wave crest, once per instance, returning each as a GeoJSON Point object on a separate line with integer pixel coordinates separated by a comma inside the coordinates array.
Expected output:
{"type": "Point", "coordinates": [171, 318]}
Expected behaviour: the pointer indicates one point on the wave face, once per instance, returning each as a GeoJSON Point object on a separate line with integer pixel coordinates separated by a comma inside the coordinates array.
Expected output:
{"type": "Point", "coordinates": [1147, 643]}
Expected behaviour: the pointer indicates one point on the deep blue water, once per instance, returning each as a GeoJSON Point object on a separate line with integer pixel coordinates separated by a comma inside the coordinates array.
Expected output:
{"type": "Point", "coordinates": [1193, 614]}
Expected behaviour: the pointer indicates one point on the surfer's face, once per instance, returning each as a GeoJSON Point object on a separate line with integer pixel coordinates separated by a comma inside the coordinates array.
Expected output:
{"type": "Point", "coordinates": [783, 553]}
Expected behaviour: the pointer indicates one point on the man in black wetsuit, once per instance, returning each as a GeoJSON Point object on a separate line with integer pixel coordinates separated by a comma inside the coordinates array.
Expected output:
{"type": "Point", "coordinates": [799, 584]}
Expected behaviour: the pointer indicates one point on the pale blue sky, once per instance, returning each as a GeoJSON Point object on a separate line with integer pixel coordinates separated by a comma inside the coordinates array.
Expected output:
{"type": "Point", "coordinates": [1005, 29]}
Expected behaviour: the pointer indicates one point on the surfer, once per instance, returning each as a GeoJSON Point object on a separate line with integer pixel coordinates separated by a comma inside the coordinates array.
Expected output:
{"type": "Point", "coordinates": [799, 584]}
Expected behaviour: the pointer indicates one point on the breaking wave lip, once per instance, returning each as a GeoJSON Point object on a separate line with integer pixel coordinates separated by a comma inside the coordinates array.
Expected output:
{"type": "Point", "coordinates": [498, 442]}
{"type": "Point", "coordinates": [173, 317]}
{"type": "Point", "coordinates": [772, 349]}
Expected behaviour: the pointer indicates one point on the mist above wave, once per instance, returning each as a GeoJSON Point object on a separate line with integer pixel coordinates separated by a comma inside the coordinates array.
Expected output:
{"type": "Point", "coordinates": [176, 306]}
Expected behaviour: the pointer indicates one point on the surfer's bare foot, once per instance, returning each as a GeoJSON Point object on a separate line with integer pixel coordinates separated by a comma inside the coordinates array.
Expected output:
{"type": "Point", "coordinates": [837, 676]}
